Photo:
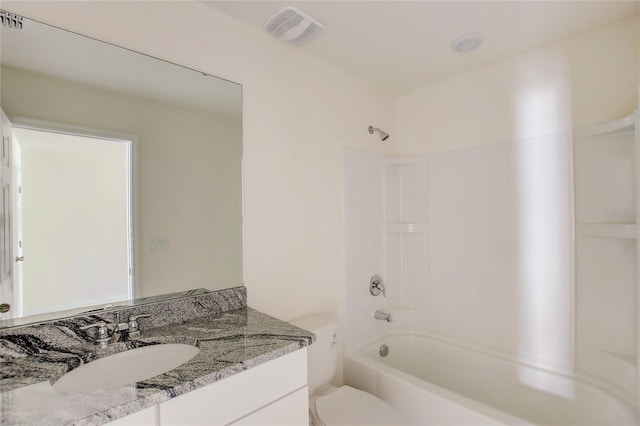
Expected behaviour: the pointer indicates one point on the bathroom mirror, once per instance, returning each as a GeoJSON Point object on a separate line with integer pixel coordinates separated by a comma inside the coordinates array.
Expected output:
{"type": "Point", "coordinates": [121, 175]}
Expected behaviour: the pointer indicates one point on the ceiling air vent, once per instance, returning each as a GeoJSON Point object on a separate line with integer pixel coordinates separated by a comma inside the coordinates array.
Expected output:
{"type": "Point", "coordinates": [293, 25]}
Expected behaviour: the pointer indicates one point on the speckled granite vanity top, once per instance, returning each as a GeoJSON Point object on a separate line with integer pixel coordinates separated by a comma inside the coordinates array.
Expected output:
{"type": "Point", "coordinates": [231, 338]}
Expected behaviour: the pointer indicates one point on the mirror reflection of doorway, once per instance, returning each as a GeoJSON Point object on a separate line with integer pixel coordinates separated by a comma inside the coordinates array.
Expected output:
{"type": "Point", "coordinates": [82, 185]}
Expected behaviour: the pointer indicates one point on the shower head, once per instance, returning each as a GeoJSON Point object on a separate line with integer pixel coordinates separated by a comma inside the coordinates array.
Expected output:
{"type": "Point", "coordinates": [383, 135]}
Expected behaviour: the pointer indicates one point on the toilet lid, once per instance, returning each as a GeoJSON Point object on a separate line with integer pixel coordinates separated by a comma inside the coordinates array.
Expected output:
{"type": "Point", "coordinates": [352, 407]}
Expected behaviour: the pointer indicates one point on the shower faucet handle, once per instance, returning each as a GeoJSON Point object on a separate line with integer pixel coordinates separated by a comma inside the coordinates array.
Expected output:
{"type": "Point", "coordinates": [376, 286]}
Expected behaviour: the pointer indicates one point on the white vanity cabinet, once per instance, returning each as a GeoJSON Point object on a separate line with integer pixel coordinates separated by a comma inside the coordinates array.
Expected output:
{"type": "Point", "coordinates": [273, 393]}
{"type": "Point", "coordinates": [260, 393]}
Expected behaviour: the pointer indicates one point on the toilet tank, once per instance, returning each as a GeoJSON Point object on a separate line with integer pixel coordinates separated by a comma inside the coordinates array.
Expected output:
{"type": "Point", "coordinates": [322, 356]}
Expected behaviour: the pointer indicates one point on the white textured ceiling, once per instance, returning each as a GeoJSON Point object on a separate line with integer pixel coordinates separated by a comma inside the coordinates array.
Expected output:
{"type": "Point", "coordinates": [404, 45]}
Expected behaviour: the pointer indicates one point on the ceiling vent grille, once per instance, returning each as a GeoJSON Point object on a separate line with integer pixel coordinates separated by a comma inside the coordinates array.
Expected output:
{"type": "Point", "coordinates": [293, 25]}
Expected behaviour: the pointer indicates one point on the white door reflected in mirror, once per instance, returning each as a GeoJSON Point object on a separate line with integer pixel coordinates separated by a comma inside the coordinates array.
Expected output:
{"type": "Point", "coordinates": [81, 184]}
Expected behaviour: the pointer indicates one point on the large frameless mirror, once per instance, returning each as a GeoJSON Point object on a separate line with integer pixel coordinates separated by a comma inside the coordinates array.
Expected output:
{"type": "Point", "coordinates": [121, 175]}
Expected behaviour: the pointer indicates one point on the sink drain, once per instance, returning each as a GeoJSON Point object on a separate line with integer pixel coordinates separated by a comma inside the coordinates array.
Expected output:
{"type": "Point", "coordinates": [384, 350]}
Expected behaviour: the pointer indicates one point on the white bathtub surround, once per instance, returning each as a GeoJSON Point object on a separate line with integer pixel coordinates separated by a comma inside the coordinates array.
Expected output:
{"type": "Point", "coordinates": [500, 222]}
{"type": "Point", "coordinates": [478, 249]}
{"type": "Point", "coordinates": [606, 176]}
{"type": "Point", "coordinates": [472, 244]}
{"type": "Point", "coordinates": [486, 238]}
{"type": "Point", "coordinates": [364, 245]}
{"type": "Point", "coordinates": [434, 382]}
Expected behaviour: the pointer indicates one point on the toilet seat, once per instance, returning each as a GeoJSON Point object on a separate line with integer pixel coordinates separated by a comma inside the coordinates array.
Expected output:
{"type": "Point", "coordinates": [352, 407]}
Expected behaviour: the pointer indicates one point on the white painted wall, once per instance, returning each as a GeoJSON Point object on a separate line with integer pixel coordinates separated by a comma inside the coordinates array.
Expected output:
{"type": "Point", "coordinates": [299, 114]}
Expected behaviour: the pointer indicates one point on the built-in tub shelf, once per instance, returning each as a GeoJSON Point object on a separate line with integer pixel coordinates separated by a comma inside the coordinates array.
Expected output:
{"type": "Point", "coordinates": [632, 360]}
{"type": "Point", "coordinates": [626, 124]}
{"type": "Point", "coordinates": [407, 227]}
{"type": "Point", "coordinates": [601, 230]}
{"type": "Point", "coordinates": [606, 160]}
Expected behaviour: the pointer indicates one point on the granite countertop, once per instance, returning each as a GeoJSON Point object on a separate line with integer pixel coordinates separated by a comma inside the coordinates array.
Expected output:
{"type": "Point", "coordinates": [229, 342]}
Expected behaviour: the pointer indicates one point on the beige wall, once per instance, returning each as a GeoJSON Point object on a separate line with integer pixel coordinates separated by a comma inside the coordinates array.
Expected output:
{"type": "Point", "coordinates": [299, 114]}
{"type": "Point", "coordinates": [187, 170]}
{"type": "Point", "coordinates": [583, 81]}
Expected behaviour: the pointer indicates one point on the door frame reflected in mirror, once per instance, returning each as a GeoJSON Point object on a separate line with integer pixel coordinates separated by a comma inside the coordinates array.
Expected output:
{"type": "Point", "coordinates": [98, 241]}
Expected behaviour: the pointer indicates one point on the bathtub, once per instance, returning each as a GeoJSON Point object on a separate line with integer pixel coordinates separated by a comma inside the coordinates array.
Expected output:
{"type": "Point", "coordinates": [432, 382]}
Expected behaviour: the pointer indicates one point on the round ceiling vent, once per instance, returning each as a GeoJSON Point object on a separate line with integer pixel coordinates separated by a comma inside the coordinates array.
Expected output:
{"type": "Point", "coordinates": [467, 43]}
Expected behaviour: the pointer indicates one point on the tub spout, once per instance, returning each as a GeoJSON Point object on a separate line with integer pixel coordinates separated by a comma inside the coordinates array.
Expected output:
{"type": "Point", "coordinates": [379, 315]}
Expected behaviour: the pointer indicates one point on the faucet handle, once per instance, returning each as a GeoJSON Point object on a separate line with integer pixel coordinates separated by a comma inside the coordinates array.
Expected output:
{"type": "Point", "coordinates": [376, 286]}
{"type": "Point", "coordinates": [135, 317]}
{"type": "Point", "coordinates": [134, 328]}
{"type": "Point", "coordinates": [103, 331]}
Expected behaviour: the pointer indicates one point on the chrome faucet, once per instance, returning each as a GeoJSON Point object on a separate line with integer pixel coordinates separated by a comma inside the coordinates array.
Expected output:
{"type": "Point", "coordinates": [118, 327]}
{"type": "Point", "coordinates": [102, 336]}
{"type": "Point", "coordinates": [131, 327]}
{"type": "Point", "coordinates": [379, 315]}
{"type": "Point", "coordinates": [112, 332]}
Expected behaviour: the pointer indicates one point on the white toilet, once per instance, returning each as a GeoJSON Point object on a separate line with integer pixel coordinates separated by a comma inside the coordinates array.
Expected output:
{"type": "Point", "coordinates": [331, 406]}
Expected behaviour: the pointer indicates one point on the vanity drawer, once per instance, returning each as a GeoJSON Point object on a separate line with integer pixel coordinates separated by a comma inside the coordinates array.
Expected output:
{"type": "Point", "coordinates": [146, 417]}
{"type": "Point", "coordinates": [290, 410]}
{"type": "Point", "coordinates": [230, 399]}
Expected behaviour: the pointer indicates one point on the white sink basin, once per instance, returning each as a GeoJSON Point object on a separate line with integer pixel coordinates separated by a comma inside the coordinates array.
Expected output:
{"type": "Point", "coordinates": [126, 367]}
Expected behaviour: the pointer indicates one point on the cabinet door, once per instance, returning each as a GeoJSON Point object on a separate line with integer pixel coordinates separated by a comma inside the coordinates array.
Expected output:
{"type": "Point", "coordinates": [290, 410]}
{"type": "Point", "coordinates": [227, 400]}
{"type": "Point", "coordinates": [146, 417]}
